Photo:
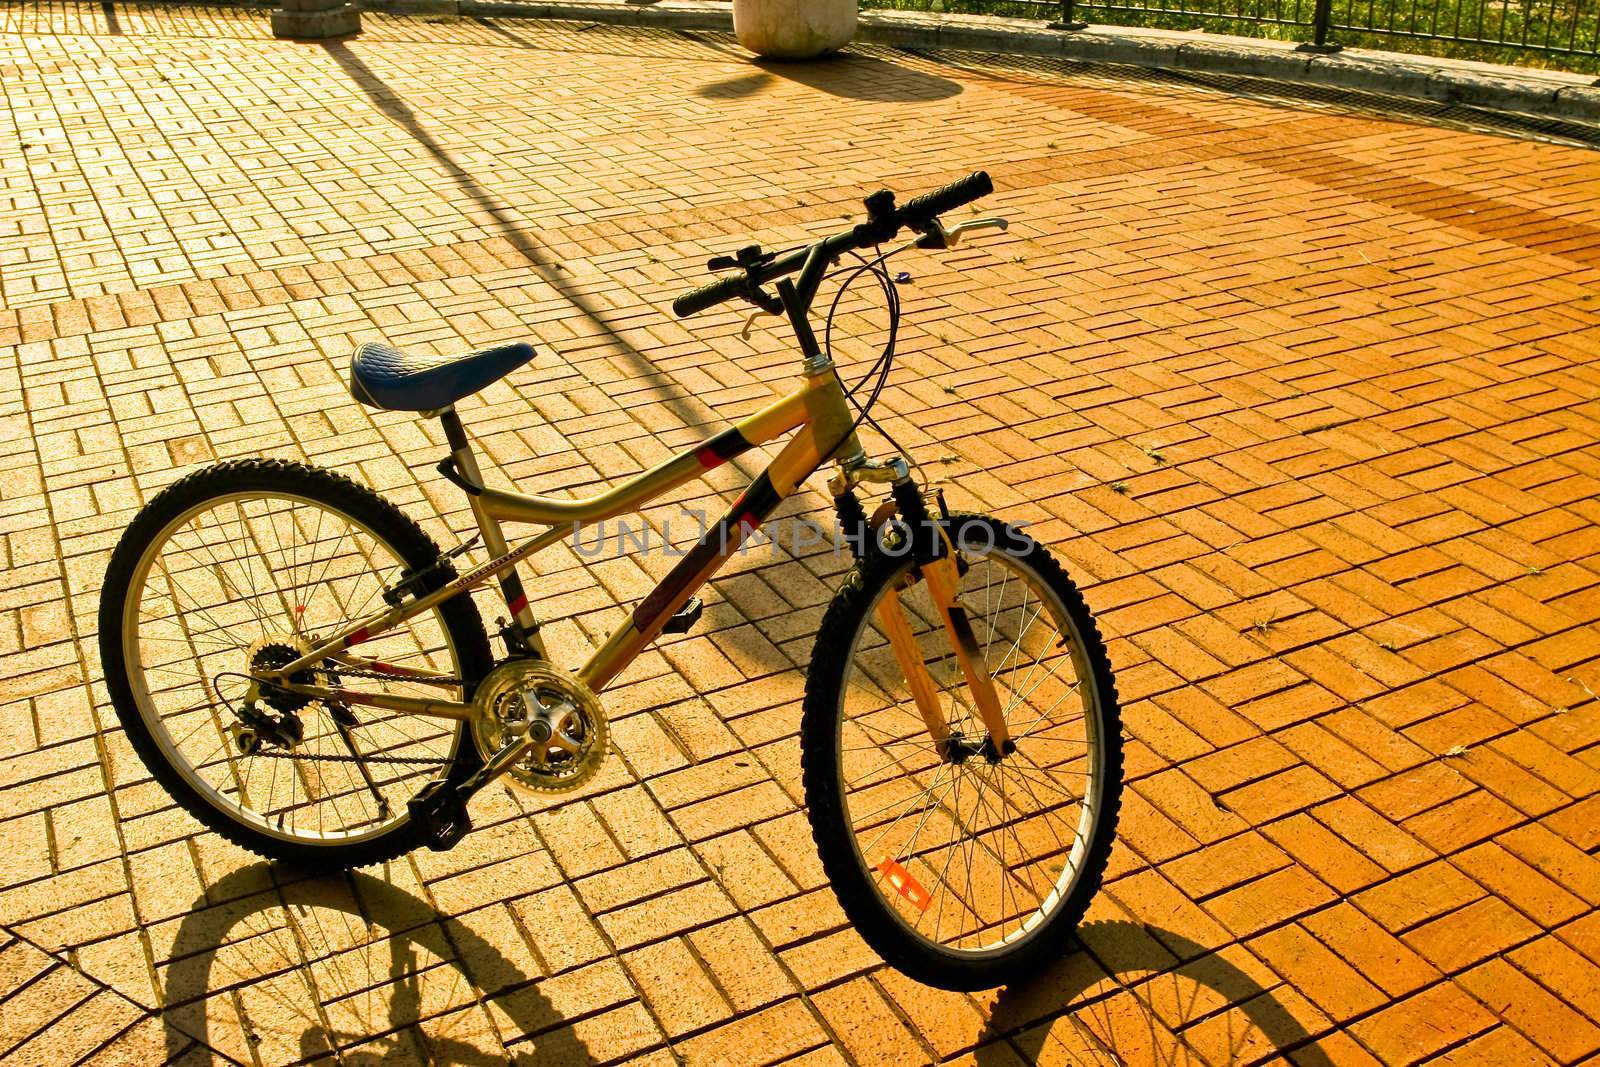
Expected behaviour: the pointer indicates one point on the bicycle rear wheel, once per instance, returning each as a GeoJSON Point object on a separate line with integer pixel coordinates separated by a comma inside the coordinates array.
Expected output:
{"type": "Point", "coordinates": [244, 566]}
{"type": "Point", "coordinates": [963, 867]}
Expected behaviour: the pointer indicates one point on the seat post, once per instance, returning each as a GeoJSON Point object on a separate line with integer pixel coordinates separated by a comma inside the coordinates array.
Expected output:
{"type": "Point", "coordinates": [523, 629]}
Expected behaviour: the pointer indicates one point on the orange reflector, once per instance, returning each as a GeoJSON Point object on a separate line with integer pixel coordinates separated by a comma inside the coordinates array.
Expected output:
{"type": "Point", "coordinates": [904, 884]}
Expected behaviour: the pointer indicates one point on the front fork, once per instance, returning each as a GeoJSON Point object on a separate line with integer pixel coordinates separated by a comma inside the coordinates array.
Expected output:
{"type": "Point", "coordinates": [935, 560]}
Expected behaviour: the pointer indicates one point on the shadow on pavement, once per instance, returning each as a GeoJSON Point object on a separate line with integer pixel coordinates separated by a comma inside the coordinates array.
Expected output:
{"type": "Point", "coordinates": [393, 107]}
{"type": "Point", "coordinates": [1174, 1002]}
{"type": "Point", "coordinates": [844, 75]}
{"type": "Point", "coordinates": [347, 962]}
{"type": "Point", "coordinates": [665, 389]}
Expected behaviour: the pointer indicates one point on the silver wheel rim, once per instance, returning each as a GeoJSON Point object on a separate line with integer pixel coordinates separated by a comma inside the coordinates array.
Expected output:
{"type": "Point", "coordinates": [992, 904]}
{"type": "Point", "coordinates": [347, 580]}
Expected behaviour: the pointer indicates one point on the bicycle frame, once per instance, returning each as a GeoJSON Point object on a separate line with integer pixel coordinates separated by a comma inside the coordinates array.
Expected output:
{"type": "Point", "coordinates": [817, 410]}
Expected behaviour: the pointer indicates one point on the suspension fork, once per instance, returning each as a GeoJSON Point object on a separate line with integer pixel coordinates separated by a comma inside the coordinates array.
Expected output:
{"type": "Point", "coordinates": [935, 559]}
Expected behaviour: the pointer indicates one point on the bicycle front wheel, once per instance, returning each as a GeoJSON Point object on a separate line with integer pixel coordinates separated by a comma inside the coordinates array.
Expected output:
{"type": "Point", "coordinates": [963, 866]}
{"type": "Point", "coordinates": [244, 567]}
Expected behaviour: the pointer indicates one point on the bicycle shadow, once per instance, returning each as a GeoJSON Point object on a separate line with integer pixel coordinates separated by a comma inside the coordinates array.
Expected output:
{"type": "Point", "coordinates": [291, 968]}
{"type": "Point", "coordinates": [1165, 999]}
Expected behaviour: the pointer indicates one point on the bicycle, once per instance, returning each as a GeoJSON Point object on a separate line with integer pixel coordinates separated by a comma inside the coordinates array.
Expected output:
{"type": "Point", "coordinates": [962, 778]}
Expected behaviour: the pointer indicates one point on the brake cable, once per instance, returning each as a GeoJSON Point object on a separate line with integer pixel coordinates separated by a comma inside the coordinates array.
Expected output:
{"type": "Point", "coordinates": [885, 362]}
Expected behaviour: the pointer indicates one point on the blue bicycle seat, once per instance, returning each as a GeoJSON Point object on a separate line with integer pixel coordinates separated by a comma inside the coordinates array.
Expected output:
{"type": "Point", "coordinates": [384, 377]}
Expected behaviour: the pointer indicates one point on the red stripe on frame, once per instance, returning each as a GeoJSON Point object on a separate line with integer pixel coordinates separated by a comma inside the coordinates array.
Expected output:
{"type": "Point", "coordinates": [518, 604]}
{"type": "Point", "coordinates": [708, 457]}
{"type": "Point", "coordinates": [749, 520]}
{"type": "Point", "coordinates": [356, 638]}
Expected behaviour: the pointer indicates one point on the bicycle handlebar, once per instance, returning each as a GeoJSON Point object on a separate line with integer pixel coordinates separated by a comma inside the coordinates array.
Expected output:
{"type": "Point", "coordinates": [916, 213]}
{"type": "Point", "coordinates": [709, 295]}
{"type": "Point", "coordinates": [920, 210]}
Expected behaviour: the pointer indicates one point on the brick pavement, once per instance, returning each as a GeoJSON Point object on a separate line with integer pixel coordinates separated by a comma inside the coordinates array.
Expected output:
{"type": "Point", "coordinates": [1305, 396]}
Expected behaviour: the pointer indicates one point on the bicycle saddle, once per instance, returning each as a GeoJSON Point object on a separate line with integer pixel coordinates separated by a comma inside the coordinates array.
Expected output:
{"type": "Point", "coordinates": [384, 377]}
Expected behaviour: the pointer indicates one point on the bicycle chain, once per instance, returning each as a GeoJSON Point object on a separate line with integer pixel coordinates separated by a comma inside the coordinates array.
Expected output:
{"type": "Point", "coordinates": [353, 672]}
{"type": "Point", "coordinates": [312, 757]}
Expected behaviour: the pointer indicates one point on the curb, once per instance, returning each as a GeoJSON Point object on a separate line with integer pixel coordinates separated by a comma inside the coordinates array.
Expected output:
{"type": "Point", "coordinates": [1548, 94]}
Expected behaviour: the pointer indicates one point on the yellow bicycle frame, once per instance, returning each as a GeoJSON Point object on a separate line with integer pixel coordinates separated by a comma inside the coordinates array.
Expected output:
{"type": "Point", "coordinates": [817, 409]}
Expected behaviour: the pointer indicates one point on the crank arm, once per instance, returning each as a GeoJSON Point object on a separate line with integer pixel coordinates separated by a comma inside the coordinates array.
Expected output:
{"type": "Point", "coordinates": [496, 765]}
{"type": "Point", "coordinates": [441, 808]}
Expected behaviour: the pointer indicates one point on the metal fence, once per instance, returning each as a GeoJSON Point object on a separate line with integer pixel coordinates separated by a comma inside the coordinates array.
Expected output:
{"type": "Point", "coordinates": [1497, 29]}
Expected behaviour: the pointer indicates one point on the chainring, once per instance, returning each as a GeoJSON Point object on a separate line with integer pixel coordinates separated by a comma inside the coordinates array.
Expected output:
{"type": "Point", "coordinates": [514, 700]}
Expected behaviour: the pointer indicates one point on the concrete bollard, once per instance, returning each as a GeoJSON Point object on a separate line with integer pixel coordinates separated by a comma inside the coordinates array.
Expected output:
{"type": "Point", "coordinates": [312, 19]}
{"type": "Point", "coordinates": [794, 29]}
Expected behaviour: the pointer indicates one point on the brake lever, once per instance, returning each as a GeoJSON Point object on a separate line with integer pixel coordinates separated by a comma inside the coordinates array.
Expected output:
{"type": "Point", "coordinates": [750, 321]}
{"type": "Point", "coordinates": [766, 304]}
{"type": "Point", "coordinates": [938, 235]}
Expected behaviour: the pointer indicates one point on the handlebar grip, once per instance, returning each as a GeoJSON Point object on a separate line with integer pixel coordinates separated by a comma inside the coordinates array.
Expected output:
{"type": "Point", "coordinates": [708, 295]}
{"type": "Point", "coordinates": [921, 209]}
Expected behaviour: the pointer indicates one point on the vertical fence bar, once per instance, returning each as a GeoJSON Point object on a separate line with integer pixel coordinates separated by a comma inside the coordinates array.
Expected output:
{"type": "Point", "coordinates": [1321, 22]}
{"type": "Point", "coordinates": [1068, 19]}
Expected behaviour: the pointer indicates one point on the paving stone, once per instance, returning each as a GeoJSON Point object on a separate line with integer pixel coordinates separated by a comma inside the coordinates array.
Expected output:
{"type": "Point", "coordinates": [1303, 395]}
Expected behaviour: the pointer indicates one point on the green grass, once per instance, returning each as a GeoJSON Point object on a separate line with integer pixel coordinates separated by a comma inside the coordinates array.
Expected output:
{"type": "Point", "coordinates": [1463, 29]}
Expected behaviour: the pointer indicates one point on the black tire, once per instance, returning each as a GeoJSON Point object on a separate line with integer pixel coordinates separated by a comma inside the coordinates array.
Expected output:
{"type": "Point", "coordinates": [458, 617]}
{"type": "Point", "coordinates": [822, 767]}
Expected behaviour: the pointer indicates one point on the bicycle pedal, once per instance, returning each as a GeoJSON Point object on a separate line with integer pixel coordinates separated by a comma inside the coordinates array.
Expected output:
{"type": "Point", "coordinates": [685, 617]}
{"type": "Point", "coordinates": [441, 814]}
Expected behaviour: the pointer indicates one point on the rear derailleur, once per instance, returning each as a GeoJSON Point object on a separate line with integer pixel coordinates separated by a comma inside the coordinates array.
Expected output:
{"type": "Point", "coordinates": [256, 728]}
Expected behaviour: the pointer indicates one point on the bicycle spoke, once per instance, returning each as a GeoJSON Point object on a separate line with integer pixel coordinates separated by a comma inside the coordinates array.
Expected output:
{"type": "Point", "coordinates": [221, 599]}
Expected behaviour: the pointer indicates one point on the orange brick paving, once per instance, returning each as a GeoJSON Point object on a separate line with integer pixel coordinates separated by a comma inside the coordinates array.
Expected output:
{"type": "Point", "coordinates": [1305, 395]}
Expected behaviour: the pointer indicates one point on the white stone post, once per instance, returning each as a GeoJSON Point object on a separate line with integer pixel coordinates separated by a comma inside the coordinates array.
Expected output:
{"type": "Point", "coordinates": [794, 29]}
{"type": "Point", "coordinates": [308, 19]}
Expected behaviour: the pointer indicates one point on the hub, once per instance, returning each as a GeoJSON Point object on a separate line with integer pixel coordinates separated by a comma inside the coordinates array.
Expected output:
{"type": "Point", "coordinates": [958, 748]}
